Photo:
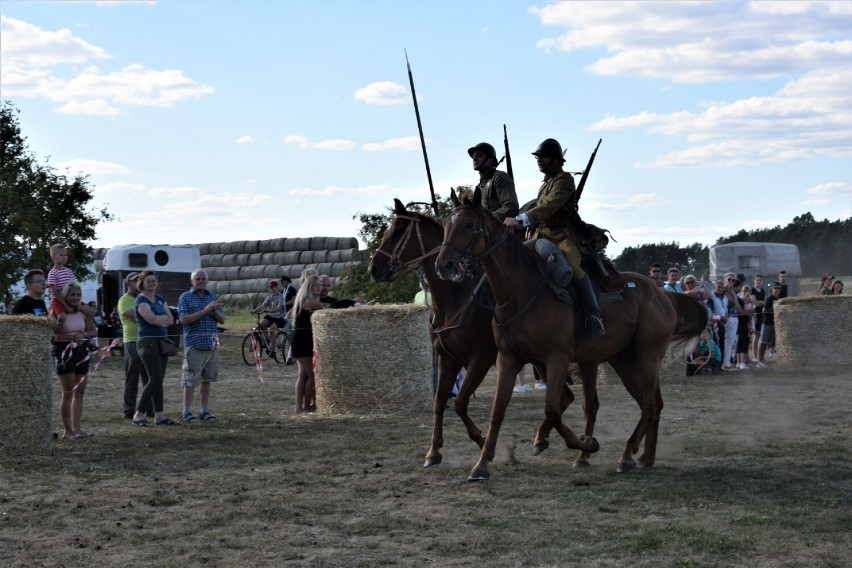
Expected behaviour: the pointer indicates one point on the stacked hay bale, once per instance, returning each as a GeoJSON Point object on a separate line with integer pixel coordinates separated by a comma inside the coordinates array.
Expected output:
{"type": "Point", "coordinates": [26, 383]}
{"type": "Point", "coordinates": [373, 359]}
{"type": "Point", "coordinates": [812, 331]}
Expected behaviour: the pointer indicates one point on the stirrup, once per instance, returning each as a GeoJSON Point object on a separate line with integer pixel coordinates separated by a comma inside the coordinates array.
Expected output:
{"type": "Point", "coordinates": [594, 327]}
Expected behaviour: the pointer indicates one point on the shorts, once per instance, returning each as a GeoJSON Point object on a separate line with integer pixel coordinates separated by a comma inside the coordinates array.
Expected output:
{"type": "Point", "coordinates": [280, 322]}
{"type": "Point", "coordinates": [199, 366]}
{"type": "Point", "coordinates": [767, 334]}
{"type": "Point", "coordinates": [76, 359]}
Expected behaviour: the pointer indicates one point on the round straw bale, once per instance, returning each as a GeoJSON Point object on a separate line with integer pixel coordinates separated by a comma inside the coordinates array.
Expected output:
{"type": "Point", "coordinates": [333, 256]}
{"type": "Point", "coordinates": [231, 273]}
{"type": "Point", "coordinates": [812, 331]}
{"type": "Point", "coordinates": [265, 245]}
{"type": "Point", "coordinates": [267, 258]}
{"type": "Point", "coordinates": [280, 258]}
{"type": "Point", "coordinates": [216, 273]}
{"type": "Point", "coordinates": [26, 382]}
{"type": "Point", "coordinates": [348, 255]}
{"type": "Point", "coordinates": [256, 258]}
{"type": "Point", "coordinates": [250, 247]}
{"type": "Point", "coordinates": [298, 244]}
{"type": "Point", "coordinates": [291, 257]}
{"type": "Point", "coordinates": [242, 259]}
{"type": "Point", "coordinates": [347, 243]}
{"type": "Point", "coordinates": [373, 359]}
{"type": "Point", "coordinates": [204, 248]}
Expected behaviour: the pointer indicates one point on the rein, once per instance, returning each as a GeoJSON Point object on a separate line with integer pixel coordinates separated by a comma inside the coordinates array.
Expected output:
{"type": "Point", "coordinates": [396, 266]}
{"type": "Point", "coordinates": [467, 260]}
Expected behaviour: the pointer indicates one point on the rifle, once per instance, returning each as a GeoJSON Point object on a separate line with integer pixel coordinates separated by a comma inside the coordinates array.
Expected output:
{"type": "Point", "coordinates": [422, 139]}
{"type": "Point", "coordinates": [508, 156]}
{"type": "Point", "coordinates": [586, 171]}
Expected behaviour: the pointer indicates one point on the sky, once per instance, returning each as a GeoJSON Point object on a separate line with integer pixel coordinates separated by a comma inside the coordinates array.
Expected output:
{"type": "Point", "coordinates": [208, 121]}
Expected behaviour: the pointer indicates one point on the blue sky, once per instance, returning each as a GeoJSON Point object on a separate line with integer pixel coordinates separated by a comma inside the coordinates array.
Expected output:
{"type": "Point", "coordinates": [217, 121]}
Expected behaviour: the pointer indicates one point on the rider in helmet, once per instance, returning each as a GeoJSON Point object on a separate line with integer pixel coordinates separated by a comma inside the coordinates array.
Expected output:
{"type": "Point", "coordinates": [498, 189]}
{"type": "Point", "coordinates": [554, 210]}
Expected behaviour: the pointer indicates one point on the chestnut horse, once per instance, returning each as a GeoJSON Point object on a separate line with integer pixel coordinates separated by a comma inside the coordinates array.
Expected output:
{"type": "Point", "coordinates": [461, 325]}
{"type": "Point", "coordinates": [531, 325]}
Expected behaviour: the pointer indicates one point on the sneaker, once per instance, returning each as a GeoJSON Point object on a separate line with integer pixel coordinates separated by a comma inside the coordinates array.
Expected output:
{"type": "Point", "coordinates": [540, 386]}
{"type": "Point", "coordinates": [762, 364]}
{"type": "Point", "coordinates": [518, 389]}
{"type": "Point", "coordinates": [742, 366]}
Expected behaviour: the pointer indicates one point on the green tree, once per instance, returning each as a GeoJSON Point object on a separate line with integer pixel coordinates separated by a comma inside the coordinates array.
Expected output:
{"type": "Point", "coordinates": [39, 207]}
{"type": "Point", "coordinates": [692, 259]}
{"type": "Point", "coordinates": [355, 281]}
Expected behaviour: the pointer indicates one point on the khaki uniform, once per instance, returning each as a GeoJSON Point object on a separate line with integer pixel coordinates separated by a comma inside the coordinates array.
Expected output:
{"type": "Point", "coordinates": [498, 193]}
{"type": "Point", "coordinates": [553, 213]}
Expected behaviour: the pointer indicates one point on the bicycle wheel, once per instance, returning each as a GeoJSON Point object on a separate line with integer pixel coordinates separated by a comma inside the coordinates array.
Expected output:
{"type": "Point", "coordinates": [284, 341]}
{"type": "Point", "coordinates": [248, 354]}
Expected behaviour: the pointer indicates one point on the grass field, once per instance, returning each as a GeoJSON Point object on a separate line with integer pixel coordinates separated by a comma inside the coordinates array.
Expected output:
{"type": "Point", "coordinates": [753, 469]}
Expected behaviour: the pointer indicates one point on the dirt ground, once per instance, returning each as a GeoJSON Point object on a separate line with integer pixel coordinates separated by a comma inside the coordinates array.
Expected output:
{"type": "Point", "coordinates": [753, 468]}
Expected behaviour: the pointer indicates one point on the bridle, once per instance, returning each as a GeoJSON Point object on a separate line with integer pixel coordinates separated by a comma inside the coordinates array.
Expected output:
{"type": "Point", "coordinates": [467, 260]}
{"type": "Point", "coordinates": [396, 266]}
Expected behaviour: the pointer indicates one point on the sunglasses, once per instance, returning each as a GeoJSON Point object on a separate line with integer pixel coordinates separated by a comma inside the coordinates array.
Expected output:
{"type": "Point", "coordinates": [655, 272]}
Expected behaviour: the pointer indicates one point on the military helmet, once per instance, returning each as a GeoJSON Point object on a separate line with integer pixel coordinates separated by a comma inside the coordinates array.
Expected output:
{"type": "Point", "coordinates": [550, 148]}
{"type": "Point", "coordinates": [485, 148]}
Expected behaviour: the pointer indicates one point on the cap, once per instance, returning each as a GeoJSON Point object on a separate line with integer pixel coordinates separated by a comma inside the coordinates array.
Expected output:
{"type": "Point", "coordinates": [131, 277]}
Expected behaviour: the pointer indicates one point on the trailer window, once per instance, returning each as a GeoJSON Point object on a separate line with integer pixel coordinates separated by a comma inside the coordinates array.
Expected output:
{"type": "Point", "coordinates": [749, 262]}
{"type": "Point", "coordinates": [137, 260]}
{"type": "Point", "coordinates": [161, 257]}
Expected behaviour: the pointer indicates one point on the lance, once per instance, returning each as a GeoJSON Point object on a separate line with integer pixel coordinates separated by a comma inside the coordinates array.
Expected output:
{"type": "Point", "coordinates": [422, 139]}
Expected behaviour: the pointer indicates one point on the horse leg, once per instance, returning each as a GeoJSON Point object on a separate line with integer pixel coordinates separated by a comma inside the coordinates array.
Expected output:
{"type": "Point", "coordinates": [591, 404]}
{"type": "Point", "coordinates": [448, 369]}
{"type": "Point", "coordinates": [541, 443]}
{"type": "Point", "coordinates": [640, 380]}
{"type": "Point", "coordinates": [476, 371]}
{"type": "Point", "coordinates": [507, 369]}
{"type": "Point", "coordinates": [649, 456]}
{"type": "Point", "coordinates": [553, 410]}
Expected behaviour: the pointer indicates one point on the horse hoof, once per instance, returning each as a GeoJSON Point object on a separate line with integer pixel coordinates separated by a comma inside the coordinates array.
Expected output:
{"type": "Point", "coordinates": [628, 465]}
{"type": "Point", "coordinates": [433, 461]}
{"type": "Point", "coordinates": [479, 474]}
{"type": "Point", "coordinates": [540, 447]}
{"type": "Point", "coordinates": [591, 444]}
{"type": "Point", "coordinates": [581, 464]}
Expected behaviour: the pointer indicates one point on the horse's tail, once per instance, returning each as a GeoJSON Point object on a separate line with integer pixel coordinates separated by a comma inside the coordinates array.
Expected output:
{"type": "Point", "coordinates": [691, 316]}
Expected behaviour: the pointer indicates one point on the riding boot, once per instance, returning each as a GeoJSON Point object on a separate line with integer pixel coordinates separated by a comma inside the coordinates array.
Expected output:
{"type": "Point", "coordinates": [594, 323]}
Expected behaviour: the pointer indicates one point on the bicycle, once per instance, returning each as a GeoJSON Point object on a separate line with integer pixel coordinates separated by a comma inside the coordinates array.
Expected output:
{"type": "Point", "coordinates": [283, 339]}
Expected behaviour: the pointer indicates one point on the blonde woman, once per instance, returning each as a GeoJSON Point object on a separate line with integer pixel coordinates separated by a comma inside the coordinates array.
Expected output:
{"type": "Point", "coordinates": [69, 348]}
{"type": "Point", "coordinates": [307, 300]}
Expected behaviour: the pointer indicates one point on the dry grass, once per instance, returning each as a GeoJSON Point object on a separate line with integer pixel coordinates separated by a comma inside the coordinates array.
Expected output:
{"type": "Point", "coordinates": [754, 469]}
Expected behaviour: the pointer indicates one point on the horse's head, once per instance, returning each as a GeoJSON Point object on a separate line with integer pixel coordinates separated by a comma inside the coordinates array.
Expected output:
{"type": "Point", "coordinates": [467, 232]}
{"type": "Point", "coordinates": [398, 251]}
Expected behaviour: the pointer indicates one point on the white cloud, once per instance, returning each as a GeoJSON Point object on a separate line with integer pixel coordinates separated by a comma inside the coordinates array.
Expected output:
{"type": "Point", "coordinates": [244, 139]}
{"type": "Point", "coordinates": [333, 190]}
{"type": "Point", "coordinates": [407, 144]}
{"type": "Point", "coordinates": [333, 144]}
{"type": "Point", "coordinates": [25, 45]}
{"type": "Point", "coordinates": [120, 187]}
{"type": "Point", "coordinates": [382, 93]}
{"type": "Point", "coordinates": [805, 43]}
{"type": "Point", "coordinates": [178, 191]}
{"type": "Point", "coordinates": [93, 167]}
{"type": "Point", "coordinates": [830, 188]}
{"type": "Point", "coordinates": [43, 64]}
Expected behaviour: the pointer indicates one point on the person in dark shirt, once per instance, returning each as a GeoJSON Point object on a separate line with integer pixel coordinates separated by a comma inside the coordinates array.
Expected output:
{"type": "Point", "coordinates": [32, 302]}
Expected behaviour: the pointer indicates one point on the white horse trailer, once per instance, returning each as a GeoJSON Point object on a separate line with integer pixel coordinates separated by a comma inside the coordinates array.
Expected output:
{"type": "Point", "coordinates": [172, 263]}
